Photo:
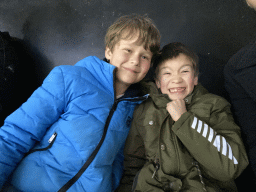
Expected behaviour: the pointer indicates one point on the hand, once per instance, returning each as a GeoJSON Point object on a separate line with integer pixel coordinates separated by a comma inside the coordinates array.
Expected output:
{"type": "Point", "coordinates": [176, 108]}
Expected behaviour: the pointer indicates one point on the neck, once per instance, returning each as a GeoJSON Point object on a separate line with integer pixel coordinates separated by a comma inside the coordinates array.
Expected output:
{"type": "Point", "coordinates": [120, 88]}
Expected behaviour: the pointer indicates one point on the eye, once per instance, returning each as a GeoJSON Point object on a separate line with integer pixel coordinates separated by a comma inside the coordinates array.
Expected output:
{"type": "Point", "coordinates": [128, 50]}
{"type": "Point", "coordinates": [185, 70]}
{"type": "Point", "coordinates": [145, 57]}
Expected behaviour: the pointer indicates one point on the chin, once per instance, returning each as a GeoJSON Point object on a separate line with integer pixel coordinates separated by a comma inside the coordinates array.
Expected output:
{"type": "Point", "coordinates": [176, 97]}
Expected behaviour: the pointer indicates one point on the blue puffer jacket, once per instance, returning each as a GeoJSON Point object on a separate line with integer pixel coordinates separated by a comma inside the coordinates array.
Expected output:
{"type": "Point", "coordinates": [69, 110]}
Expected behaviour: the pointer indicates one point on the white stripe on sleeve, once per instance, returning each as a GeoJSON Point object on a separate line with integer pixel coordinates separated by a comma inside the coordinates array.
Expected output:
{"type": "Point", "coordinates": [235, 161]}
{"type": "Point", "coordinates": [230, 154]}
{"type": "Point", "coordinates": [216, 143]}
{"type": "Point", "coordinates": [211, 135]}
{"type": "Point", "coordinates": [205, 130]}
{"type": "Point", "coordinates": [199, 126]}
{"type": "Point", "coordinates": [194, 123]}
{"type": "Point", "coordinates": [224, 146]}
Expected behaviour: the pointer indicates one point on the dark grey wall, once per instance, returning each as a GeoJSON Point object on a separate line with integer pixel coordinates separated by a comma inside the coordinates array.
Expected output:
{"type": "Point", "coordinates": [61, 32]}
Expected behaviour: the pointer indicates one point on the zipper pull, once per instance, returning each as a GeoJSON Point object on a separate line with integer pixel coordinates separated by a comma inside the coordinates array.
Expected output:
{"type": "Point", "coordinates": [157, 166]}
{"type": "Point", "coordinates": [52, 137]}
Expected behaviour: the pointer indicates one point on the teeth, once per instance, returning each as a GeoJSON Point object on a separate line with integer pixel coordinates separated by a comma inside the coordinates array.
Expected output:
{"type": "Point", "coordinates": [176, 90]}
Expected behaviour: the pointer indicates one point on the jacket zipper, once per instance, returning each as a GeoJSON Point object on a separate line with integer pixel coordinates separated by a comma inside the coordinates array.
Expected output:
{"type": "Point", "coordinates": [94, 153]}
{"type": "Point", "coordinates": [50, 141]}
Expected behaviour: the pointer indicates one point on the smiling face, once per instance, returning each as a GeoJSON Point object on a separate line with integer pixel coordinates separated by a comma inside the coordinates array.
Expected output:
{"type": "Point", "coordinates": [131, 59]}
{"type": "Point", "coordinates": [176, 77]}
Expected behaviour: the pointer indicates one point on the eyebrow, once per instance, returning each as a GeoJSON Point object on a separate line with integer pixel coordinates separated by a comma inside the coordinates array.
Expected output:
{"type": "Point", "coordinates": [145, 52]}
{"type": "Point", "coordinates": [185, 65]}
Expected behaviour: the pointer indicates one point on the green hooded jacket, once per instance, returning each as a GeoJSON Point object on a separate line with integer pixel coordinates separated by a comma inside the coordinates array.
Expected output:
{"type": "Point", "coordinates": [202, 151]}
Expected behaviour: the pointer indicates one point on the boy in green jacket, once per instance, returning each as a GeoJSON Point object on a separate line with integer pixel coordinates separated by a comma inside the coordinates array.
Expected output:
{"type": "Point", "coordinates": [182, 137]}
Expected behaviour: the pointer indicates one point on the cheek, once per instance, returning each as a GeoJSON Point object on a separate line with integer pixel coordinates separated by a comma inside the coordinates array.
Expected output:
{"type": "Point", "coordinates": [165, 79]}
{"type": "Point", "coordinates": [191, 82]}
{"type": "Point", "coordinates": [120, 56]}
{"type": "Point", "coordinates": [145, 67]}
{"type": "Point", "coordinates": [189, 79]}
{"type": "Point", "coordinates": [163, 84]}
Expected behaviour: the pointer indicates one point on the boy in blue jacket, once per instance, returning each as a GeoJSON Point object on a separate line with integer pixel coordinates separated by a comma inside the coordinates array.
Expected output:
{"type": "Point", "coordinates": [70, 133]}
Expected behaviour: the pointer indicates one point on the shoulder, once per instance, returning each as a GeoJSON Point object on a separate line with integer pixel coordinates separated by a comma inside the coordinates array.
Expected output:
{"type": "Point", "coordinates": [85, 64]}
{"type": "Point", "coordinates": [244, 58]}
{"type": "Point", "coordinates": [89, 74]}
{"type": "Point", "coordinates": [95, 65]}
{"type": "Point", "coordinates": [66, 74]}
{"type": "Point", "coordinates": [209, 107]}
{"type": "Point", "coordinates": [210, 104]}
{"type": "Point", "coordinates": [203, 97]}
{"type": "Point", "coordinates": [141, 109]}
{"type": "Point", "coordinates": [150, 87]}
{"type": "Point", "coordinates": [209, 97]}
{"type": "Point", "coordinates": [89, 68]}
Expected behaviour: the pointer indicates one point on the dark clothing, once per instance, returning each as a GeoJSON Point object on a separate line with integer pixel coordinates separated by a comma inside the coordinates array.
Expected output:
{"type": "Point", "coordinates": [204, 145]}
{"type": "Point", "coordinates": [240, 82]}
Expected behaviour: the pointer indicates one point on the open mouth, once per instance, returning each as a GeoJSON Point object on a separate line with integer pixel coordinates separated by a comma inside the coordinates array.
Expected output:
{"type": "Point", "coordinates": [177, 90]}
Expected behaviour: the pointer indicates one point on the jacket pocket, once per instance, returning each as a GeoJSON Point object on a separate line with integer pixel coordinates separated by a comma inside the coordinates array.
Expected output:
{"type": "Point", "coordinates": [50, 141]}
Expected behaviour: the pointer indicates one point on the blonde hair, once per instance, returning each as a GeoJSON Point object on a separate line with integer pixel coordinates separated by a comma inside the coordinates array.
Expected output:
{"type": "Point", "coordinates": [127, 26]}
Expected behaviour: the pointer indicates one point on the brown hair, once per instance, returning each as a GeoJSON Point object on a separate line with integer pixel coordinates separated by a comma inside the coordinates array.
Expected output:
{"type": "Point", "coordinates": [172, 50]}
{"type": "Point", "coordinates": [127, 26]}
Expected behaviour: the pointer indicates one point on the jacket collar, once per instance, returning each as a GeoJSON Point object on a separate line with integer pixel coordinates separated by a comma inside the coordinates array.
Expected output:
{"type": "Point", "coordinates": [161, 100]}
{"type": "Point", "coordinates": [100, 70]}
{"type": "Point", "coordinates": [105, 74]}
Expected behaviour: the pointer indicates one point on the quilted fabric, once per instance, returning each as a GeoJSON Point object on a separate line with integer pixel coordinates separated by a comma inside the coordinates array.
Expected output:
{"type": "Point", "coordinates": [74, 103]}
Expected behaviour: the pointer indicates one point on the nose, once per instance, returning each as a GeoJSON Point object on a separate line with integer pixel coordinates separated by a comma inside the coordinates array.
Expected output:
{"type": "Point", "coordinates": [176, 79]}
{"type": "Point", "coordinates": [135, 59]}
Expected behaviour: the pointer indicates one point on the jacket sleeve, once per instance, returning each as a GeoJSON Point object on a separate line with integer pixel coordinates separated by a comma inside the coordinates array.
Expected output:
{"type": "Point", "coordinates": [215, 144]}
{"type": "Point", "coordinates": [28, 123]}
{"type": "Point", "coordinates": [134, 155]}
{"type": "Point", "coordinates": [240, 72]}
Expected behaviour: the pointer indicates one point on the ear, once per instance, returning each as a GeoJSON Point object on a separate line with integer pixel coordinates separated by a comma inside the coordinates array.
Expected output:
{"type": "Point", "coordinates": [158, 84]}
{"type": "Point", "coordinates": [196, 80]}
{"type": "Point", "coordinates": [108, 53]}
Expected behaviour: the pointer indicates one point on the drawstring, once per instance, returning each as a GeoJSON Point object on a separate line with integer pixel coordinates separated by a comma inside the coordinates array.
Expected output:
{"type": "Point", "coordinates": [200, 174]}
